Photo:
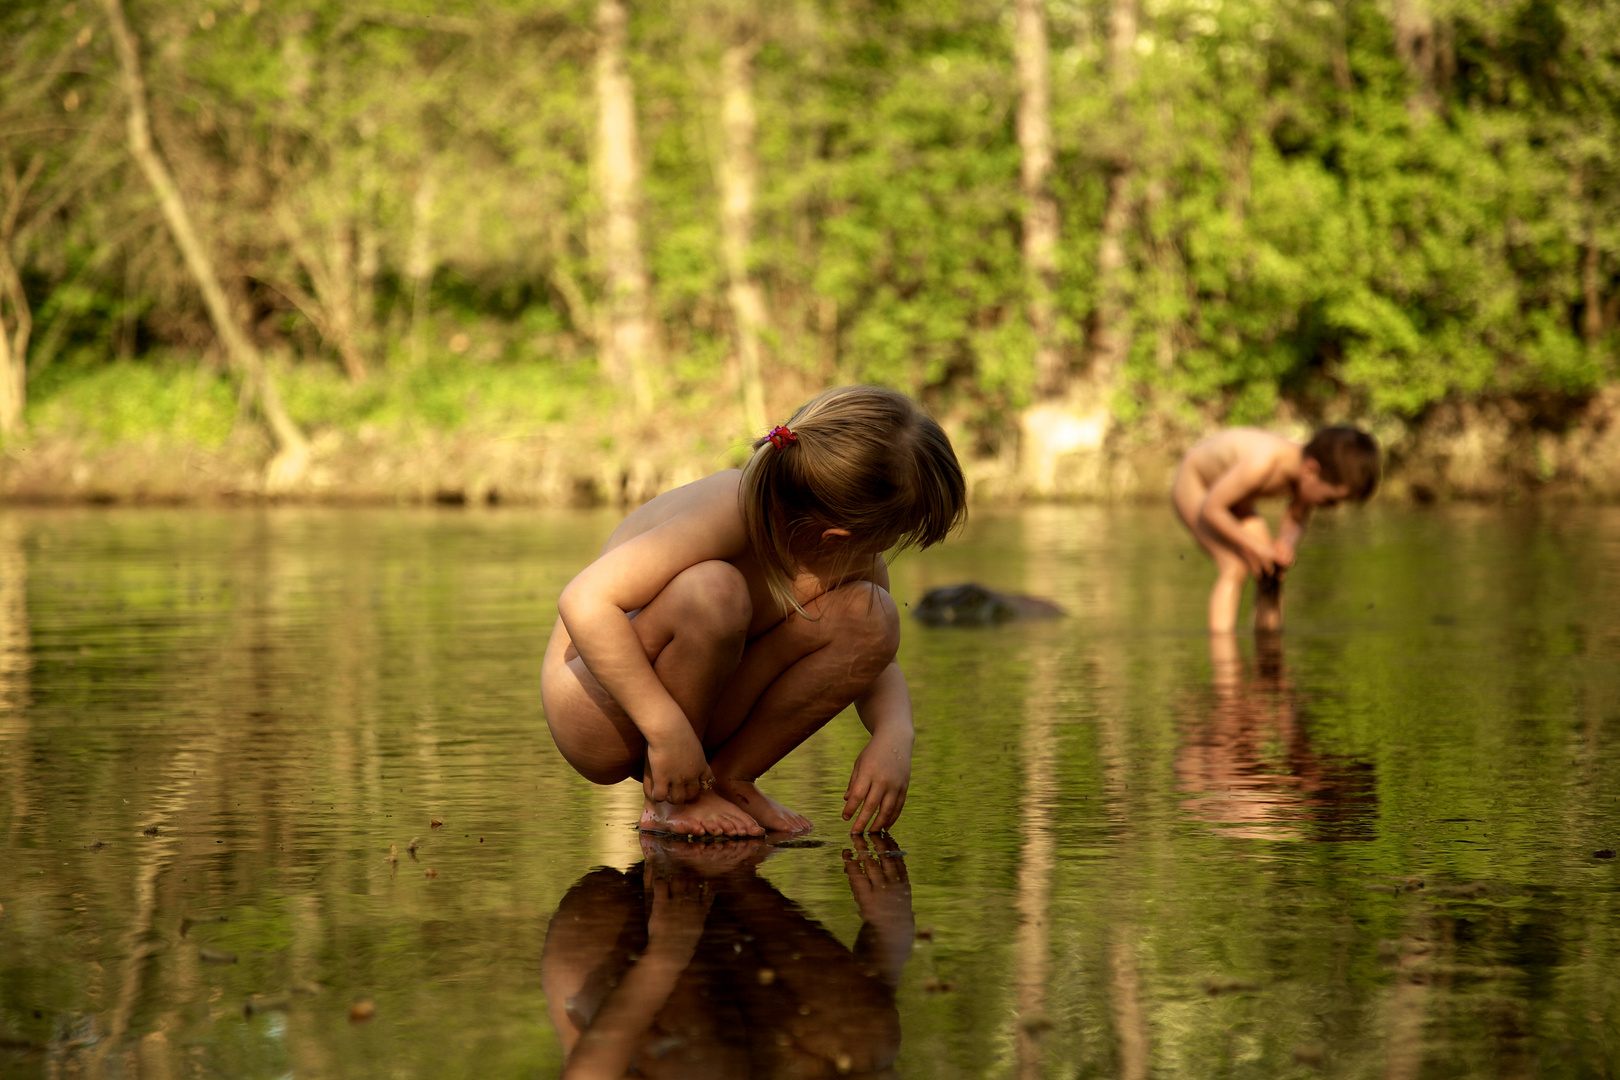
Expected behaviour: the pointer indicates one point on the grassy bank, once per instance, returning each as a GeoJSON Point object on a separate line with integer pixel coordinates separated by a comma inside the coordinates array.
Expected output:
{"type": "Point", "coordinates": [453, 432]}
{"type": "Point", "coordinates": [175, 430]}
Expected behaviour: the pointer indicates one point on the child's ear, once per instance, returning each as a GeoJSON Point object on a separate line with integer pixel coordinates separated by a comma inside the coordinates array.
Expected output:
{"type": "Point", "coordinates": [1312, 466]}
{"type": "Point", "coordinates": [834, 534]}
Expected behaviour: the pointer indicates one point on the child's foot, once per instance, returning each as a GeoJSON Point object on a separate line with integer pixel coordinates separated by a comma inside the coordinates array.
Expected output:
{"type": "Point", "coordinates": [707, 815]}
{"type": "Point", "coordinates": [764, 809]}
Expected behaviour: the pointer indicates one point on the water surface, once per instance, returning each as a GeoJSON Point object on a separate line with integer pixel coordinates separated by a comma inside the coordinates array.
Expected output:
{"type": "Point", "coordinates": [1366, 849]}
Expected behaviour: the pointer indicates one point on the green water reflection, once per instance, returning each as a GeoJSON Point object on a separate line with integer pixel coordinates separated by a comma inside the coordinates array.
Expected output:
{"type": "Point", "coordinates": [1363, 850]}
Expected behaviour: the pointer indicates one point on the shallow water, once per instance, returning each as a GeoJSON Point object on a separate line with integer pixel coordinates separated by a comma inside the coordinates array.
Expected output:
{"type": "Point", "coordinates": [1366, 850]}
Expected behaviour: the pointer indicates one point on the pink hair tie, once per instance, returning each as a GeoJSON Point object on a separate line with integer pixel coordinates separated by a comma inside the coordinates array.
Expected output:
{"type": "Point", "coordinates": [780, 437]}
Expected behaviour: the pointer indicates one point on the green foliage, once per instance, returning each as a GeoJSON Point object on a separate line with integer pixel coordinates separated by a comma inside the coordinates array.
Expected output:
{"type": "Point", "coordinates": [1318, 215]}
{"type": "Point", "coordinates": [442, 394]}
{"type": "Point", "coordinates": [108, 403]}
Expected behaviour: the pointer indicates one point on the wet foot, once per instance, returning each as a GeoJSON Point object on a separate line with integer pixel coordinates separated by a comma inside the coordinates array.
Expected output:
{"type": "Point", "coordinates": [707, 815]}
{"type": "Point", "coordinates": [764, 809]}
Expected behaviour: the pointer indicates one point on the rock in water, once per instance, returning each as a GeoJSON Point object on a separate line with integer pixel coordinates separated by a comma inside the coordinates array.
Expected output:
{"type": "Point", "coordinates": [975, 605]}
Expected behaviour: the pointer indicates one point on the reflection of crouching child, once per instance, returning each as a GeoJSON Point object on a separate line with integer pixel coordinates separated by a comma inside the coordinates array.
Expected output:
{"type": "Point", "coordinates": [693, 965]}
{"type": "Point", "coordinates": [1223, 476]}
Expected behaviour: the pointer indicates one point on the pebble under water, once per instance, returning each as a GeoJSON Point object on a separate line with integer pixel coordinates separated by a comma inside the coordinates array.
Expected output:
{"type": "Point", "coordinates": [277, 799]}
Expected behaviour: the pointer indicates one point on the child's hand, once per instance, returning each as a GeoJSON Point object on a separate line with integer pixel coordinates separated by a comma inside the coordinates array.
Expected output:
{"type": "Point", "coordinates": [1262, 559]}
{"type": "Point", "coordinates": [878, 784]}
{"type": "Point", "coordinates": [1283, 552]}
{"type": "Point", "coordinates": [677, 770]}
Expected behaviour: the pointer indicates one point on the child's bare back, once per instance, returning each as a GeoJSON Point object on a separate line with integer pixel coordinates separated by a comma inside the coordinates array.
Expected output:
{"type": "Point", "coordinates": [1260, 460]}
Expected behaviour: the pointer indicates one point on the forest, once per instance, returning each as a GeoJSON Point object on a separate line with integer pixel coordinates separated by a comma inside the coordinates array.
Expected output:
{"type": "Point", "coordinates": [577, 250]}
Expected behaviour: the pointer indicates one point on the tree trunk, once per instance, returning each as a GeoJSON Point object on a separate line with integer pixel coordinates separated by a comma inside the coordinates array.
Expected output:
{"type": "Point", "coordinates": [340, 300]}
{"type": "Point", "coordinates": [332, 308]}
{"type": "Point", "coordinates": [292, 451]}
{"type": "Point", "coordinates": [629, 334]}
{"type": "Point", "coordinates": [737, 175]}
{"type": "Point", "coordinates": [368, 252]}
{"type": "Point", "coordinates": [14, 350]}
{"type": "Point", "coordinates": [1040, 209]}
{"type": "Point", "coordinates": [419, 257]}
{"type": "Point", "coordinates": [13, 388]}
{"type": "Point", "coordinates": [1592, 313]}
{"type": "Point", "coordinates": [1416, 41]}
{"type": "Point", "coordinates": [1110, 338]}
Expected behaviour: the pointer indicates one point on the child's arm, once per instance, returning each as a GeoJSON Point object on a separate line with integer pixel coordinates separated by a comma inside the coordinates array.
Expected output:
{"type": "Point", "coordinates": [610, 1042]}
{"type": "Point", "coordinates": [1289, 531]}
{"type": "Point", "coordinates": [882, 773]}
{"type": "Point", "coordinates": [593, 608]}
{"type": "Point", "coordinates": [1239, 484]}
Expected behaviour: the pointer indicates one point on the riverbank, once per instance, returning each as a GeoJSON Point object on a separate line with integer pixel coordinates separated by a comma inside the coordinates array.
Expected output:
{"type": "Point", "coordinates": [500, 436]}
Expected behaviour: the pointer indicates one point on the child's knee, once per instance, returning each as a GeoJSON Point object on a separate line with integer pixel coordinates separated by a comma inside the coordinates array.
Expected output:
{"type": "Point", "coordinates": [867, 621]}
{"type": "Point", "coordinates": [712, 595]}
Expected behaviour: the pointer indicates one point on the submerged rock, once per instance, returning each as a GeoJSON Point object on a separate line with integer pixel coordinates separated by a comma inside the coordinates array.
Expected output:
{"type": "Point", "coordinates": [974, 605]}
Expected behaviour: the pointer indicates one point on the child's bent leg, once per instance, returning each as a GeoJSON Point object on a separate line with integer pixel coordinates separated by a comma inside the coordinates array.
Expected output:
{"type": "Point", "coordinates": [1231, 573]}
{"type": "Point", "coordinates": [791, 681]}
{"type": "Point", "coordinates": [1268, 590]}
{"type": "Point", "coordinates": [1187, 495]}
{"type": "Point", "coordinates": [693, 633]}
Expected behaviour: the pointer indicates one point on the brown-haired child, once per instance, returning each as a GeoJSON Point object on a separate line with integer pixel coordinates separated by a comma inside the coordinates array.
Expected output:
{"type": "Point", "coordinates": [727, 620]}
{"type": "Point", "coordinates": [1223, 476]}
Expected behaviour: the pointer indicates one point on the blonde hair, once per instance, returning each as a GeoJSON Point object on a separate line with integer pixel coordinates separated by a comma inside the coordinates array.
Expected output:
{"type": "Point", "coordinates": [860, 458]}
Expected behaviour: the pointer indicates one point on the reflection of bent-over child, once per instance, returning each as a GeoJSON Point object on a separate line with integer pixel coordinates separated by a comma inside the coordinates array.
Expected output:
{"type": "Point", "coordinates": [693, 965]}
{"type": "Point", "coordinates": [1248, 764]}
{"type": "Point", "coordinates": [1221, 479]}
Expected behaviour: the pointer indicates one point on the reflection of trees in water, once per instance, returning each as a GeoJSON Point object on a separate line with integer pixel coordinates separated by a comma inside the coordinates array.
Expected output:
{"type": "Point", "coordinates": [1037, 861]}
{"type": "Point", "coordinates": [691, 964]}
{"type": "Point", "coordinates": [1061, 678]}
{"type": "Point", "coordinates": [15, 663]}
{"type": "Point", "coordinates": [1248, 764]}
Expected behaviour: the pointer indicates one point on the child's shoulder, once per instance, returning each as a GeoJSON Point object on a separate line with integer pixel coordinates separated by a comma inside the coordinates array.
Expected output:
{"type": "Point", "coordinates": [707, 503]}
{"type": "Point", "coordinates": [1235, 443]}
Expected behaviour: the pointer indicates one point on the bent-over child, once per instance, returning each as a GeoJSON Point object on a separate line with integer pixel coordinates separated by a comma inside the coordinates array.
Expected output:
{"type": "Point", "coordinates": [1223, 476]}
{"type": "Point", "coordinates": [727, 620]}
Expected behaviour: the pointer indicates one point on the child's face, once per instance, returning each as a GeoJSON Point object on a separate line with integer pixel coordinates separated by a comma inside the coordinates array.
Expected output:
{"type": "Point", "coordinates": [1317, 492]}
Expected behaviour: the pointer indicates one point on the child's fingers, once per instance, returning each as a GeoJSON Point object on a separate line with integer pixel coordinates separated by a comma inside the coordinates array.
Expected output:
{"type": "Point", "coordinates": [892, 802]}
{"type": "Point", "coordinates": [869, 810]}
{"type": "Point", "coordinates": [885, 813]}
{"type": "Point", "coordinates": [858, 788]}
